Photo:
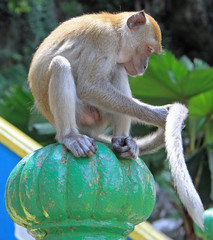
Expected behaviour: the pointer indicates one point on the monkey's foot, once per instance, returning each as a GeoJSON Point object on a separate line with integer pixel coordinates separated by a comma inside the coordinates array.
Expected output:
{"type": "Point", "coordinates": [80, 145]}
{"type": "Point", "coordinates": [125, 147]}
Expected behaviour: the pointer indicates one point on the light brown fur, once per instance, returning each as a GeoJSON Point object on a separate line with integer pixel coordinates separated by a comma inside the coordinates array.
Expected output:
{"type": "Point", "coordinates": [89, 27]}
{"type": "Point", "coordinates": [95, 46]}
{"type": "Point", "coordinates": [157, 33]}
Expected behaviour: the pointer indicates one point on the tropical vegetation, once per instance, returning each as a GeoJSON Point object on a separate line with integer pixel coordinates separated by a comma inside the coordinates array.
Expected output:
{"type": "Point", "coordinates": [178, 75]}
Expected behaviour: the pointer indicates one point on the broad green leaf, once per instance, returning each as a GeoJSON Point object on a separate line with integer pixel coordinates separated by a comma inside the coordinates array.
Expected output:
{"type": "Point", "coordinates": [172, 80]}
{"type": "Point", "coordinates": [201, 105]}
{"type": "Point", "coordinates": [200, 64]}
{"type": "Point", "coordinates": [175, 68]}
{"type": "Point", "coordinates": [196, 82]}
{"type": "Point", "coordinates": [151, 86]}
{"type": "Point", "coordinates": [187, 63]}
{"type": "Point", "coordinates": [197, 64]}
{"type": "Point", "coordinates": [161, 79]}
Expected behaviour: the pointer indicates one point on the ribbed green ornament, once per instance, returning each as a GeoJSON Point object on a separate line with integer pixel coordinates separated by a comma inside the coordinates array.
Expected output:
{"type": "Point", "coordinates": [58, 196]}
{"type": "Point", "coordinates": [207, 233]}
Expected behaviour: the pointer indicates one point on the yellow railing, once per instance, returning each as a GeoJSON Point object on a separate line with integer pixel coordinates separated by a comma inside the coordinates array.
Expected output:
{"type": "Point", "coordinates": [16, 140]}
{"type": "Point", "coordinates": [145, 231]}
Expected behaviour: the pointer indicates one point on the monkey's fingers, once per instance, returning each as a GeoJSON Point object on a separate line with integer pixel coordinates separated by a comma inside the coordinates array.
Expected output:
{"type": "Point", "coordinates": [132, 144]}
{"type": "Point", "coordinates": [120, 149]}
{"type": "Point", "coordinates": [81, 145]}
{"type": "Point", "coordinates": [133, 151]}
{"type": "Point", "coordinates": [119, 145]}
{"type": "Point", "coordinates": [125, 147]}
{"type": "Point", "coordinates": [91, 144]}
{"type": "Point", "coordinates": [127, 155]}
{"type": "Point", "coordinates": [130, 154]}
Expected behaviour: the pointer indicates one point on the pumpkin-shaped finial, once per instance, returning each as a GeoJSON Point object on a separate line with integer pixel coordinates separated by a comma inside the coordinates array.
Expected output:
{"type": "Point", "coordinates": [207, 232]}
{"type": "Point", "coordinates": [58, 196]}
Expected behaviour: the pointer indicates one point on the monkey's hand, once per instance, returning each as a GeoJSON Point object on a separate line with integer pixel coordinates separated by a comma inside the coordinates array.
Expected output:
{"type": "Point", "coordinates": [125, 147]}
{"type": "Point", "coordinates": [80, 145]}
{"type": "Point", "coordinates": [162, 112]}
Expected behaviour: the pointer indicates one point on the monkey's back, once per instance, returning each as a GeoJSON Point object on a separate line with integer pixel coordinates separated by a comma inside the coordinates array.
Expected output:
{"type": "Point", "coordinates": [69, 39]}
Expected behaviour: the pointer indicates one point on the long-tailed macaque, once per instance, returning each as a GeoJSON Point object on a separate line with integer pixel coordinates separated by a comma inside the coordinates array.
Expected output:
{"type": "Point", "coordinates": [79, 79]}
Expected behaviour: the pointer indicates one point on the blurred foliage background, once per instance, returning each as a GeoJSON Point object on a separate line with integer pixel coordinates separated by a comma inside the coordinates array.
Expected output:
{"type": "Point", "coordinates": [183, 73]}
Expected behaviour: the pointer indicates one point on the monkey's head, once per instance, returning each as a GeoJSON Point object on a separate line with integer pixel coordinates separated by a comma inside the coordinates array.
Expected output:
{"type": "Point", "coordinates": [141, 39]}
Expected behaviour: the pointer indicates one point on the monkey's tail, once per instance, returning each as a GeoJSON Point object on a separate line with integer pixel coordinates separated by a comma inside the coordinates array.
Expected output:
{"type": "Point", "coordinates": [182, 180]}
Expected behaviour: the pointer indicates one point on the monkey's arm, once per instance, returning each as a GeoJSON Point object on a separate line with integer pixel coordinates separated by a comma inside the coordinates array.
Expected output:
{"type": "Point", "coordinates": [112, 100]}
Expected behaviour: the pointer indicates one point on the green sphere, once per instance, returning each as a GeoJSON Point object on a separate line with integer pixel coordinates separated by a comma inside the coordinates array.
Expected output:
{"type": "Point", "coordinates": [58, 196]}
{"type": "Point", "coordinates": [207, 233]}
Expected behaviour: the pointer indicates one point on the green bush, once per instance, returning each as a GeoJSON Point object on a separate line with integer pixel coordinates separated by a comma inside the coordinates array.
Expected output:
{"type": "Point", "coordinates": [168, 80]}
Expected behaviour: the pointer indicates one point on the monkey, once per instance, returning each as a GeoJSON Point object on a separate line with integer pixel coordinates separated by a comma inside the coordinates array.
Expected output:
{"type": "Point", "coordinates": [79, 79]}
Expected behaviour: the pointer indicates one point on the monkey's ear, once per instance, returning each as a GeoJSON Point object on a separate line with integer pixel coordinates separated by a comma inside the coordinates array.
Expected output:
{"type": "Point", "coordinates": [136, 20]}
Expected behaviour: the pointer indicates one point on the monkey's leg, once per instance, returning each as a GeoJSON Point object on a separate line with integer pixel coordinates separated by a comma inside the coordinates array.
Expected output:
{"type": "Point", "coordinates": [123, 145]}
{"type": "Point", "coordinates": [62, 101]}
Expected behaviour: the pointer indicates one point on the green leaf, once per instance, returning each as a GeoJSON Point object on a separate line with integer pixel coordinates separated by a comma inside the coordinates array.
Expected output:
{"type": "Point", "coordinates": [197, 64]}
{"type": "Point", "coordinates": [201, 105]}
{"type": "Point", "coordinates": [200, 64]}
{"type": "Point", "coordinates": [16, 106]}
{"type": "Point", "coordinates": [209, 133]}
{"type": "Point", "coordinates": [17, 57]}
{"type": "Point", "coordinates": [161, 79]}
{"type": "Point", "coordinates": [16, 74]}
{"type": "Point", "coordinates": [19, 7]}
{"type": "Point", "coordinates": [168, 79]}
{"type": "Point", "coordinates": [187, 63]}
{"type": "Point", "coordinates": [210, 157]}
{"type": "Point", "coordinates": [173, 65]}
{"type": "Point", "coordinates": [197, 164]}
{"type": "Point", "coordinates": [194, 127]}
{"type": "Point", "coordinates": [196, 82]}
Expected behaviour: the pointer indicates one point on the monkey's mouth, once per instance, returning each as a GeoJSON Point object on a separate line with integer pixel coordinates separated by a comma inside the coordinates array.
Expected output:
{"type": "Point", "coordinates": [133, 72]}
{"type": "Point", "coordinates": [141, 73]}
{"type": "Point", "coordinates": [135, 69]}
{"type": "Point", "coordinates": [131, 69]}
